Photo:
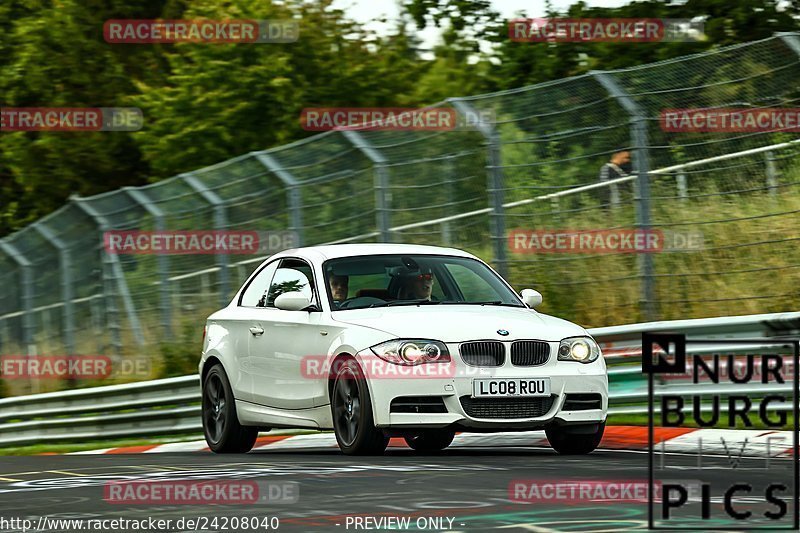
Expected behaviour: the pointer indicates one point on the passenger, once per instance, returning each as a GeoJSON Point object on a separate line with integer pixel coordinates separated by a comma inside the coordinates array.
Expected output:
{"type": "Point", "coordinates": [418, 285]}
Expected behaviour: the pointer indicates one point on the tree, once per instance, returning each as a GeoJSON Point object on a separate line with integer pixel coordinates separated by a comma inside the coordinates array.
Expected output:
{"type": "Point", "coordinates": [224, 100]}
{"type": "Point", "coordinates": [55, 56]}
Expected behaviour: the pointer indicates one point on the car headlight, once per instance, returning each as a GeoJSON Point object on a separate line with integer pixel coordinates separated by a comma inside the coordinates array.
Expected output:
{"type": "Point", "coordinates": [580, 349]}
{"type": "Point", "coordinates": [412, 352]}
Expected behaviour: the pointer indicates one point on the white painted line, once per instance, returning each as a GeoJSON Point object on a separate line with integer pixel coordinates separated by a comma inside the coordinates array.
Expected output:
{"type": "Point", "coordinates": [92, 452]}
{"type": "Point", "coordinates": [190, 446]}
{"type": "Point", "coordinates": [320, 440]}
{"type": "Point", "coordinates": [511, 438]}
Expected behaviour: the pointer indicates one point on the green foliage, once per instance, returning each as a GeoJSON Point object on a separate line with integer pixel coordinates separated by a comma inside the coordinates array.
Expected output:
{"type": "Point", "coordinates": [181, 354]}
{"type": "Point", "coordinates": [225, 100]}
{"type": "Point", "coordinates": [207, 103]}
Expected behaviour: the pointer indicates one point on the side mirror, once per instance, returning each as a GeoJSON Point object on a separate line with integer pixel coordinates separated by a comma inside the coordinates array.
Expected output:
{"type": "Point", "coordinates": [292, 301]}
{"type": "Point", "coordinates": [531, 297]}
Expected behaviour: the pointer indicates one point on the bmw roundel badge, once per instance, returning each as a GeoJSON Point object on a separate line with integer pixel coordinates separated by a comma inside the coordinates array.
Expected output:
{"type": "Point", "coordinates": [502, 332]}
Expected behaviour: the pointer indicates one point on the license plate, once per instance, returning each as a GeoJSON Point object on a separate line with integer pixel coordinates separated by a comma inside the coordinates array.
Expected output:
{"type": "Point", "coordinates": [482, 388]}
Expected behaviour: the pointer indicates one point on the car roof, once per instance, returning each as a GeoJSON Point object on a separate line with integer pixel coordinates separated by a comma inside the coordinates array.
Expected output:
{"type": "Point", "coordinates": [332, 251]}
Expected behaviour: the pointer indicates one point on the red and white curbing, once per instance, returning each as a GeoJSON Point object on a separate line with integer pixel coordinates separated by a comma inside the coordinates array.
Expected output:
{"type": "Point", "coordinates": [749, 443]}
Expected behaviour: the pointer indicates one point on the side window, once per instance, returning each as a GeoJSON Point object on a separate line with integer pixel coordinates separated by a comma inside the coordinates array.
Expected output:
{"type": "Point", "coordinates": [256, 293]}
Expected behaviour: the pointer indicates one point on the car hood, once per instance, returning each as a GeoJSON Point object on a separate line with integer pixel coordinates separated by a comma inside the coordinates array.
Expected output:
{"type": "Point", "coordinates": [458, 323]}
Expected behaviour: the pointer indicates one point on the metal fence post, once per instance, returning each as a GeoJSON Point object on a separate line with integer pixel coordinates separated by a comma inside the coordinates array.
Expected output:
{"type": "Point", "coordinates": [67, 293]}
{"type": "Point", "coordinates": [791, 40]}
{"type": "Point", "coordinates": [447, 234]}
{"type": "Point", "coordinates": [382, 195]}
{"type": "Point", "coordinates": [495, 182]}
{"type": "Point", "coordinates": [220, 223]}
{"type": "Point", "coordinates": [162, 260]}
{"type": "Point", "coordinates": [113, 276]}
{"type": "Point", "coordinates": [772, 174]}
{"type": "Point", "coordinates": [641, 166]}
{"type": "Point", "coordinates": [293, 197]}
{"type": "Point", "coordinates": [683, 190]}
{"type": "Point", "coordinates": [26, 301]}
{"type": "Point", "coordinates": [26, 291]}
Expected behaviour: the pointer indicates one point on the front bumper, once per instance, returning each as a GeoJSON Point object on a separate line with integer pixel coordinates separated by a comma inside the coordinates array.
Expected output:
{"type": "Point", "coordinates": [566, 377]}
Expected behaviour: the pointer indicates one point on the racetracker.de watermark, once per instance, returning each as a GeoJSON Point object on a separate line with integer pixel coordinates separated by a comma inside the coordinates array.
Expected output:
{"type": "Point", "coordinates": [623, 30]}
{"type": "Point", "coordinates": [198, 242]}
{"type": "Point", "coordinates": [373, 367]}
{"type": "Point", "coordinates": [391, 118]}
{"type": "Point", "coordinates": [729, 120]}
{"type": "Point", "coordinates": [200, 491]}
{"type": "Point", "coordinates": [200, 31]}
{"type": "Point", "coordinates": [615, 241]}
{"type": "Point", "coordinates": [579, 491]}
{"type": "Point", "coordinates": [41, 367]}
{"type": "Point", "coordinates": [71, 119]}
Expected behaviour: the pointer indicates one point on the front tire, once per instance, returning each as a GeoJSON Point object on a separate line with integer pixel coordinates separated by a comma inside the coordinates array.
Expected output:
{"type": "Point", "coordinates": [223, 432]}
{"type": "Point", "coordinates": [575, 440]}
{"type": "Point", "coordinates": [430, 441]}
{"type": "Point", "coordinates": [351, 409]}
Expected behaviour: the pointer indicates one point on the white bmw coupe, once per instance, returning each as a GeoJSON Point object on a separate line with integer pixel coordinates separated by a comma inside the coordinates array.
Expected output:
{"type": "Point", "coordinates": [382, 340]}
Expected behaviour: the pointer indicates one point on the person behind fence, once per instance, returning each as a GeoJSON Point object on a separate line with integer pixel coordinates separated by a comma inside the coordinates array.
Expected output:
{"type": "Point", "coordinates": [617, 167]}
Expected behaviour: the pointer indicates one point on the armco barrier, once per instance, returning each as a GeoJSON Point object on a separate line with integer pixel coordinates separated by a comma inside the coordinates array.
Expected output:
{"type": "Point", "coordinates": [171, 406]}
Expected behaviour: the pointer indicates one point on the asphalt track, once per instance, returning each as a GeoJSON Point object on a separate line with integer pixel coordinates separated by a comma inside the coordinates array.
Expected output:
{"type": "Point", "coordinates": [469, 486]}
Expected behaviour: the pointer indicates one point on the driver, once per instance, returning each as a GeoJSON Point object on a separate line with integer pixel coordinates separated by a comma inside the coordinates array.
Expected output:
{"type": "Point", "coordinates": [339, 287]}
{"type": "Point", "coordinates": [418, 285]}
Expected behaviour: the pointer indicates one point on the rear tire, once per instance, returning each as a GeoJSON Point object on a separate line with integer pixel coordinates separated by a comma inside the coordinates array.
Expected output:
{"type": "Point", "coordinates": [223, 432]}
{"type": "Point", "coordinates": [351, 409]}
{"type": "Point", "coordinates": [575, 440]}
{"type": "Point", "coordinates": [430, 441]}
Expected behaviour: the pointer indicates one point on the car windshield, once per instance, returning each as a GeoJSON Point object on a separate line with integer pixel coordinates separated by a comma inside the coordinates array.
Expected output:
{"type": "Point", "coordinates": [396, 280]}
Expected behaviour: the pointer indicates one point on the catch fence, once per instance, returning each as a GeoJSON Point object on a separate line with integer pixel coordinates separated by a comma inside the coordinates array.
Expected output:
{"type": "Point", "coordinates": [533, 167]}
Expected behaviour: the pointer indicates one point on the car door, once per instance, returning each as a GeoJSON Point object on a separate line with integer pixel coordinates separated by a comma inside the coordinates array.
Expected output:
{"type": "Point", "coordinates": [245, 322]}
{"type": "Point", "coordinates": [277, 355]}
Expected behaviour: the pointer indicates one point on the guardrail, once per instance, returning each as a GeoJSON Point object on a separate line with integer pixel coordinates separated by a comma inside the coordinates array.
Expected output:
{"type": "Point", "coordinates": [171, 406]}
{"type": "Point", "coordinates": [144, 409]}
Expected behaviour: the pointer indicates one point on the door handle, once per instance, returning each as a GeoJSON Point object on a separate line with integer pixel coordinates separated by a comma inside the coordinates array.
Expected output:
{"type": "Point", "coordinates": [257, 331]}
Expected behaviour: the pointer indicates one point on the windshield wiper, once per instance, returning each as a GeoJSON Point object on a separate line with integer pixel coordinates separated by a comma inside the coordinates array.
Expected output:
{"type": "Point", "coordinates": [399, 303]}
{"type": "Point", "coordinates": [412, 302]}
{"type": "Point", "coordinates": [494, 302]}
{"type": "Point", "coordinates": [395, 303]}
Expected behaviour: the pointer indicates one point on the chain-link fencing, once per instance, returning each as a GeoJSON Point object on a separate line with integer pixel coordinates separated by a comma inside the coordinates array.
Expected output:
{"type": "Point", "coordinates": [533, 168]}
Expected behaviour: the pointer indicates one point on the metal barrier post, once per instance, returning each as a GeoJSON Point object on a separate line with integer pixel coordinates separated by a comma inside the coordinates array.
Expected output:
{"type": "Point", "coordinates": [293, 197]}
{"type": "Point", "coordinates": [382, 195]}
{"type": "Point", "coordinates": [162, 259]}
{"type": "Point", "coordinates": [641, 165]}
{"type": "Point", "coordinates": [26, 297]}
{"type": "Point", "coordinates": [447, 233]}
{"type": "Point", "coordinates": [220, 223]}
{"type": "Point", "coordinates": [67, 293]}
{"type": "Point", "coordinates": [772, 175]}
{"type": "Point", "coordinates": [791, 40]}
{"type": "Point", "coordinates": [113, 276]}
{"type": "Point", "coordinates": [683, 190]}
{"type": "Point", "coordinates": [495, 183]}
{"type": "Point", "coordinates": [26, 288]}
